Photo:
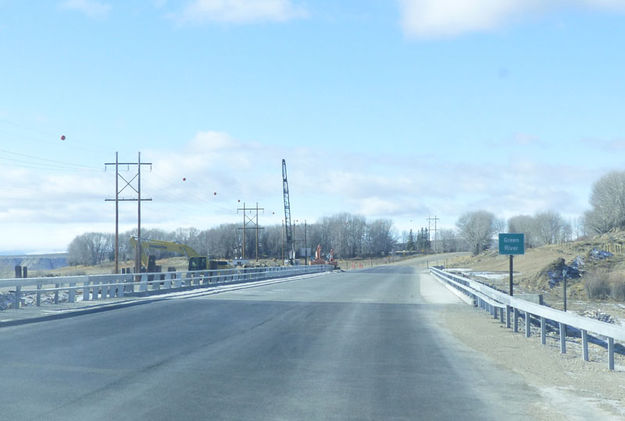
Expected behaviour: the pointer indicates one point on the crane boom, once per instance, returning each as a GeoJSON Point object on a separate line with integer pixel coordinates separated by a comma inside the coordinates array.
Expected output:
{"type": "Point", "coordinates": [287, 215]}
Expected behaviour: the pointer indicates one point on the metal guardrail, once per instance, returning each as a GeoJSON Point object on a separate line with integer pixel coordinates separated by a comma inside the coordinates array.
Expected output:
{"type": "Point", "coordinates": [98, 287]}
{"type": "Point", "coordinates": [498, 303]}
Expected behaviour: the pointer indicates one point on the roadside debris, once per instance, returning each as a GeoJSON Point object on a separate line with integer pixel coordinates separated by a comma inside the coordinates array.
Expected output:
{"type": "Point", "coordinates": [599, 315]}
{"type": "Point", "coordinates": [597, 254]}
{"type": "Point", "coordinates": [558, 271]}
{"type": "Point", "coordinates": [7, 299]}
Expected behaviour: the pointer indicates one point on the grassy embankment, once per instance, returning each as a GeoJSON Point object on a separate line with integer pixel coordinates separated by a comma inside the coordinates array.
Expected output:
{"type": "Point", "coordinates": [602, 280]}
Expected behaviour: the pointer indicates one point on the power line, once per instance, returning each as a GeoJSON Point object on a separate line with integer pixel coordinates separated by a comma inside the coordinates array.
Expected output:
{"type": "Point", "coordinates": [43, 163]}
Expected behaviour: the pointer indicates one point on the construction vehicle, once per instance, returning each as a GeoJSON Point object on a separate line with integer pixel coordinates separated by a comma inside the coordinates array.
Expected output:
{"type": "Point", "coordinates": [319, 260]}
{"type": "Point", "coordinates": [196, 262]}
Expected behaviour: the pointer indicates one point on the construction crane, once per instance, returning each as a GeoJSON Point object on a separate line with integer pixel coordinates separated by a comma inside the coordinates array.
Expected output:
{"type": "Point", "coordinates": [287, 216]}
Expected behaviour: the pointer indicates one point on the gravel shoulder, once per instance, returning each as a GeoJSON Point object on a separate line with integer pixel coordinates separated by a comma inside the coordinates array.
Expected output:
{"type": "Point", "coordinates": [573, 389]}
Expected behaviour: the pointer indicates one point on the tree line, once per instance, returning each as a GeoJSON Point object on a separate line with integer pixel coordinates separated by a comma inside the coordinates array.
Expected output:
{"type": "Point", "coordinates": [347, 234]}
{"type": "Point", "coordinates": [353, 236]}
{"type": "Point", "coordinates": [478, 229]}
{"type": "Point", "coordinates": [607, 213]}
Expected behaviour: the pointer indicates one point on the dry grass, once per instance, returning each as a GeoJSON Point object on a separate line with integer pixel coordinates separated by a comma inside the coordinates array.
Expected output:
{"type": "Point", "coordinates": [597, 284]}
{"type": "Point", "coordinates": [603, 281]}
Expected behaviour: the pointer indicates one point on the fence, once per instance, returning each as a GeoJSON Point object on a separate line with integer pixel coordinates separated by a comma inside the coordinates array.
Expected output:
{"type": "Point", "coordinates": [498, 304]}
{"type": "Point", "coordinates": [97, 287]}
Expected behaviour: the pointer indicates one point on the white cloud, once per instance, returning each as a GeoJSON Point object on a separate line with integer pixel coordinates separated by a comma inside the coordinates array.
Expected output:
{"type": "Point", "coordinates": [449, 18]}
{"type": "Point", "coordinates": [91, 8]}
{"type": "Point", "coordinates": [43, 205]}
{"type": "Point", "coordinates": [241, 11]}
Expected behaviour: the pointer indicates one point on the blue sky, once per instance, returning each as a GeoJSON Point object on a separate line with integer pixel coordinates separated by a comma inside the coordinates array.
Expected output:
{"type": "Point", "coordinates": [391, 109]}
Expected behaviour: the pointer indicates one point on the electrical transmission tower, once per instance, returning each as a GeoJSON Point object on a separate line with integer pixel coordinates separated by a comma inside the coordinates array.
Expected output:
{"type": "Point", "coordinates": [435, 219]}
{"type": "Point", "coordinates": [134, 184]}
{"type": "Point", "coordinates": [250, 220]}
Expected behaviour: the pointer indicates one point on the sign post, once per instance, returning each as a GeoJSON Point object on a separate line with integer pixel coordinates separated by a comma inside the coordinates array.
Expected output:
{"type": "Point", "coordinates": [511, 244]}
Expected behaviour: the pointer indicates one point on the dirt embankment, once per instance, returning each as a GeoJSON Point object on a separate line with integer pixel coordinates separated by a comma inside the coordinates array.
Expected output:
{"type": "Point", "coordinates": [601, 265]}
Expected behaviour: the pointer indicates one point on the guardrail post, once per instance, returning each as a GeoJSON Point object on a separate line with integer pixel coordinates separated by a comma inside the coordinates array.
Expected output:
{"type": "Point", "coordinates": [56, 293]}
{"type": "Point", "coordinates": [501, 315]}
{"type": "Point", "coordinates": [71, 294]}
{"type": "Point", "coordinates": [112, 288]}
{"type": "Point", "coordinates": [515, 320]}
{"type": "Point", "coordinates": [562, 338]}
{"type": "Point", "coordinates": [38, 294]}
{"type": "Point", "coordinates": [143, 284]}
{"type": "Point", "coordinates": [585, 345]}
{"type": "Point", "coordinates": [168, 280]}
{"type": "Point", "coordinates": [528, 321]}
{"type": "Point", "coordinates": [121, 286]}
{"type": "Point", "coordinates": [611, 354]}
{"type": "Point", "coordinates": [86, 291]}
{"type": "Point", "coordinates": [543, 331]}
{"type": "Point", "coordinates": [18, 294]}
{"type": "Point", "coordinates": [508, 311]}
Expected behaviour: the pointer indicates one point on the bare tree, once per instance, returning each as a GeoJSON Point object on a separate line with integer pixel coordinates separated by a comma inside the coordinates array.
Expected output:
{"type": "Point", "coordinates": [608, 204]}
{"type": "Point", "coordinates": [449, 241]}
{"type": "Point", "coordinates": [524, 224]}
{"type": "Point", "coordinates": [379, 239]}
{"type": "Point", "coordinates": [551, 228]}
{"type": "Point", "coordinates": [90, 248]}
{"type": "Point", "coordinates": [477, 229]}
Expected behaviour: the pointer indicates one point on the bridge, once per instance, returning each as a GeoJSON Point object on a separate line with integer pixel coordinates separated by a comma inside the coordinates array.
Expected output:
{"type": "Point", "coordinates": [364, 344]}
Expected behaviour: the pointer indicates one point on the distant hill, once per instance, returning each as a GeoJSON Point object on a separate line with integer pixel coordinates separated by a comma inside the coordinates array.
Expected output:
{"type": "Point", "coordinates": [34, 262]}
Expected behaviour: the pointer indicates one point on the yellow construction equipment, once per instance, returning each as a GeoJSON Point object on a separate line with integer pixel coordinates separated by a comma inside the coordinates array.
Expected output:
{"type": "Point", "coordinates": [196, 262]}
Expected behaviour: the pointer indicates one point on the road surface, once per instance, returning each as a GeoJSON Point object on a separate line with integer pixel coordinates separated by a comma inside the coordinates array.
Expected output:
{"type": "Point", "coordinates": [357, 345]}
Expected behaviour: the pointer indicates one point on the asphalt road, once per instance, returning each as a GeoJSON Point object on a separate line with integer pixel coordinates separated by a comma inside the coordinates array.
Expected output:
{"type": "Point", "coordinates": [356, 345]}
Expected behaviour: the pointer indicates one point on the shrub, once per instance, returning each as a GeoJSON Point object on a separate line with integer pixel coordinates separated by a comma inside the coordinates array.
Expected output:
{"type": "Point", "coordinates": [617, 287]}
{"type": "Point", "coordinates": [597, 285]}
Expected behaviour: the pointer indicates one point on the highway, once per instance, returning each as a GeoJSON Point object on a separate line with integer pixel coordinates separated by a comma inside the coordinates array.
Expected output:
{"type": "Point", "coordinates": [361, 345]}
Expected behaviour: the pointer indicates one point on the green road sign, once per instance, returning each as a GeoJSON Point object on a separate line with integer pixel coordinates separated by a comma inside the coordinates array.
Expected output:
{"type": "Point", "coordinates": [511, 244]}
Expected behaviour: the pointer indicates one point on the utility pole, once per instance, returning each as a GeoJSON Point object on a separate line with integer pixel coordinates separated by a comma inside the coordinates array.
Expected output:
{"type": "Point", "coordinates": [128, 183]}
{"type": "Point", "coordinates": [435, 219]}
{"type": "Point", "coordinates": [295, 240]}
{"type": "Point", "coordinates": [305, 245]}
{"type": "Point", "coordinates": [250, 220]}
